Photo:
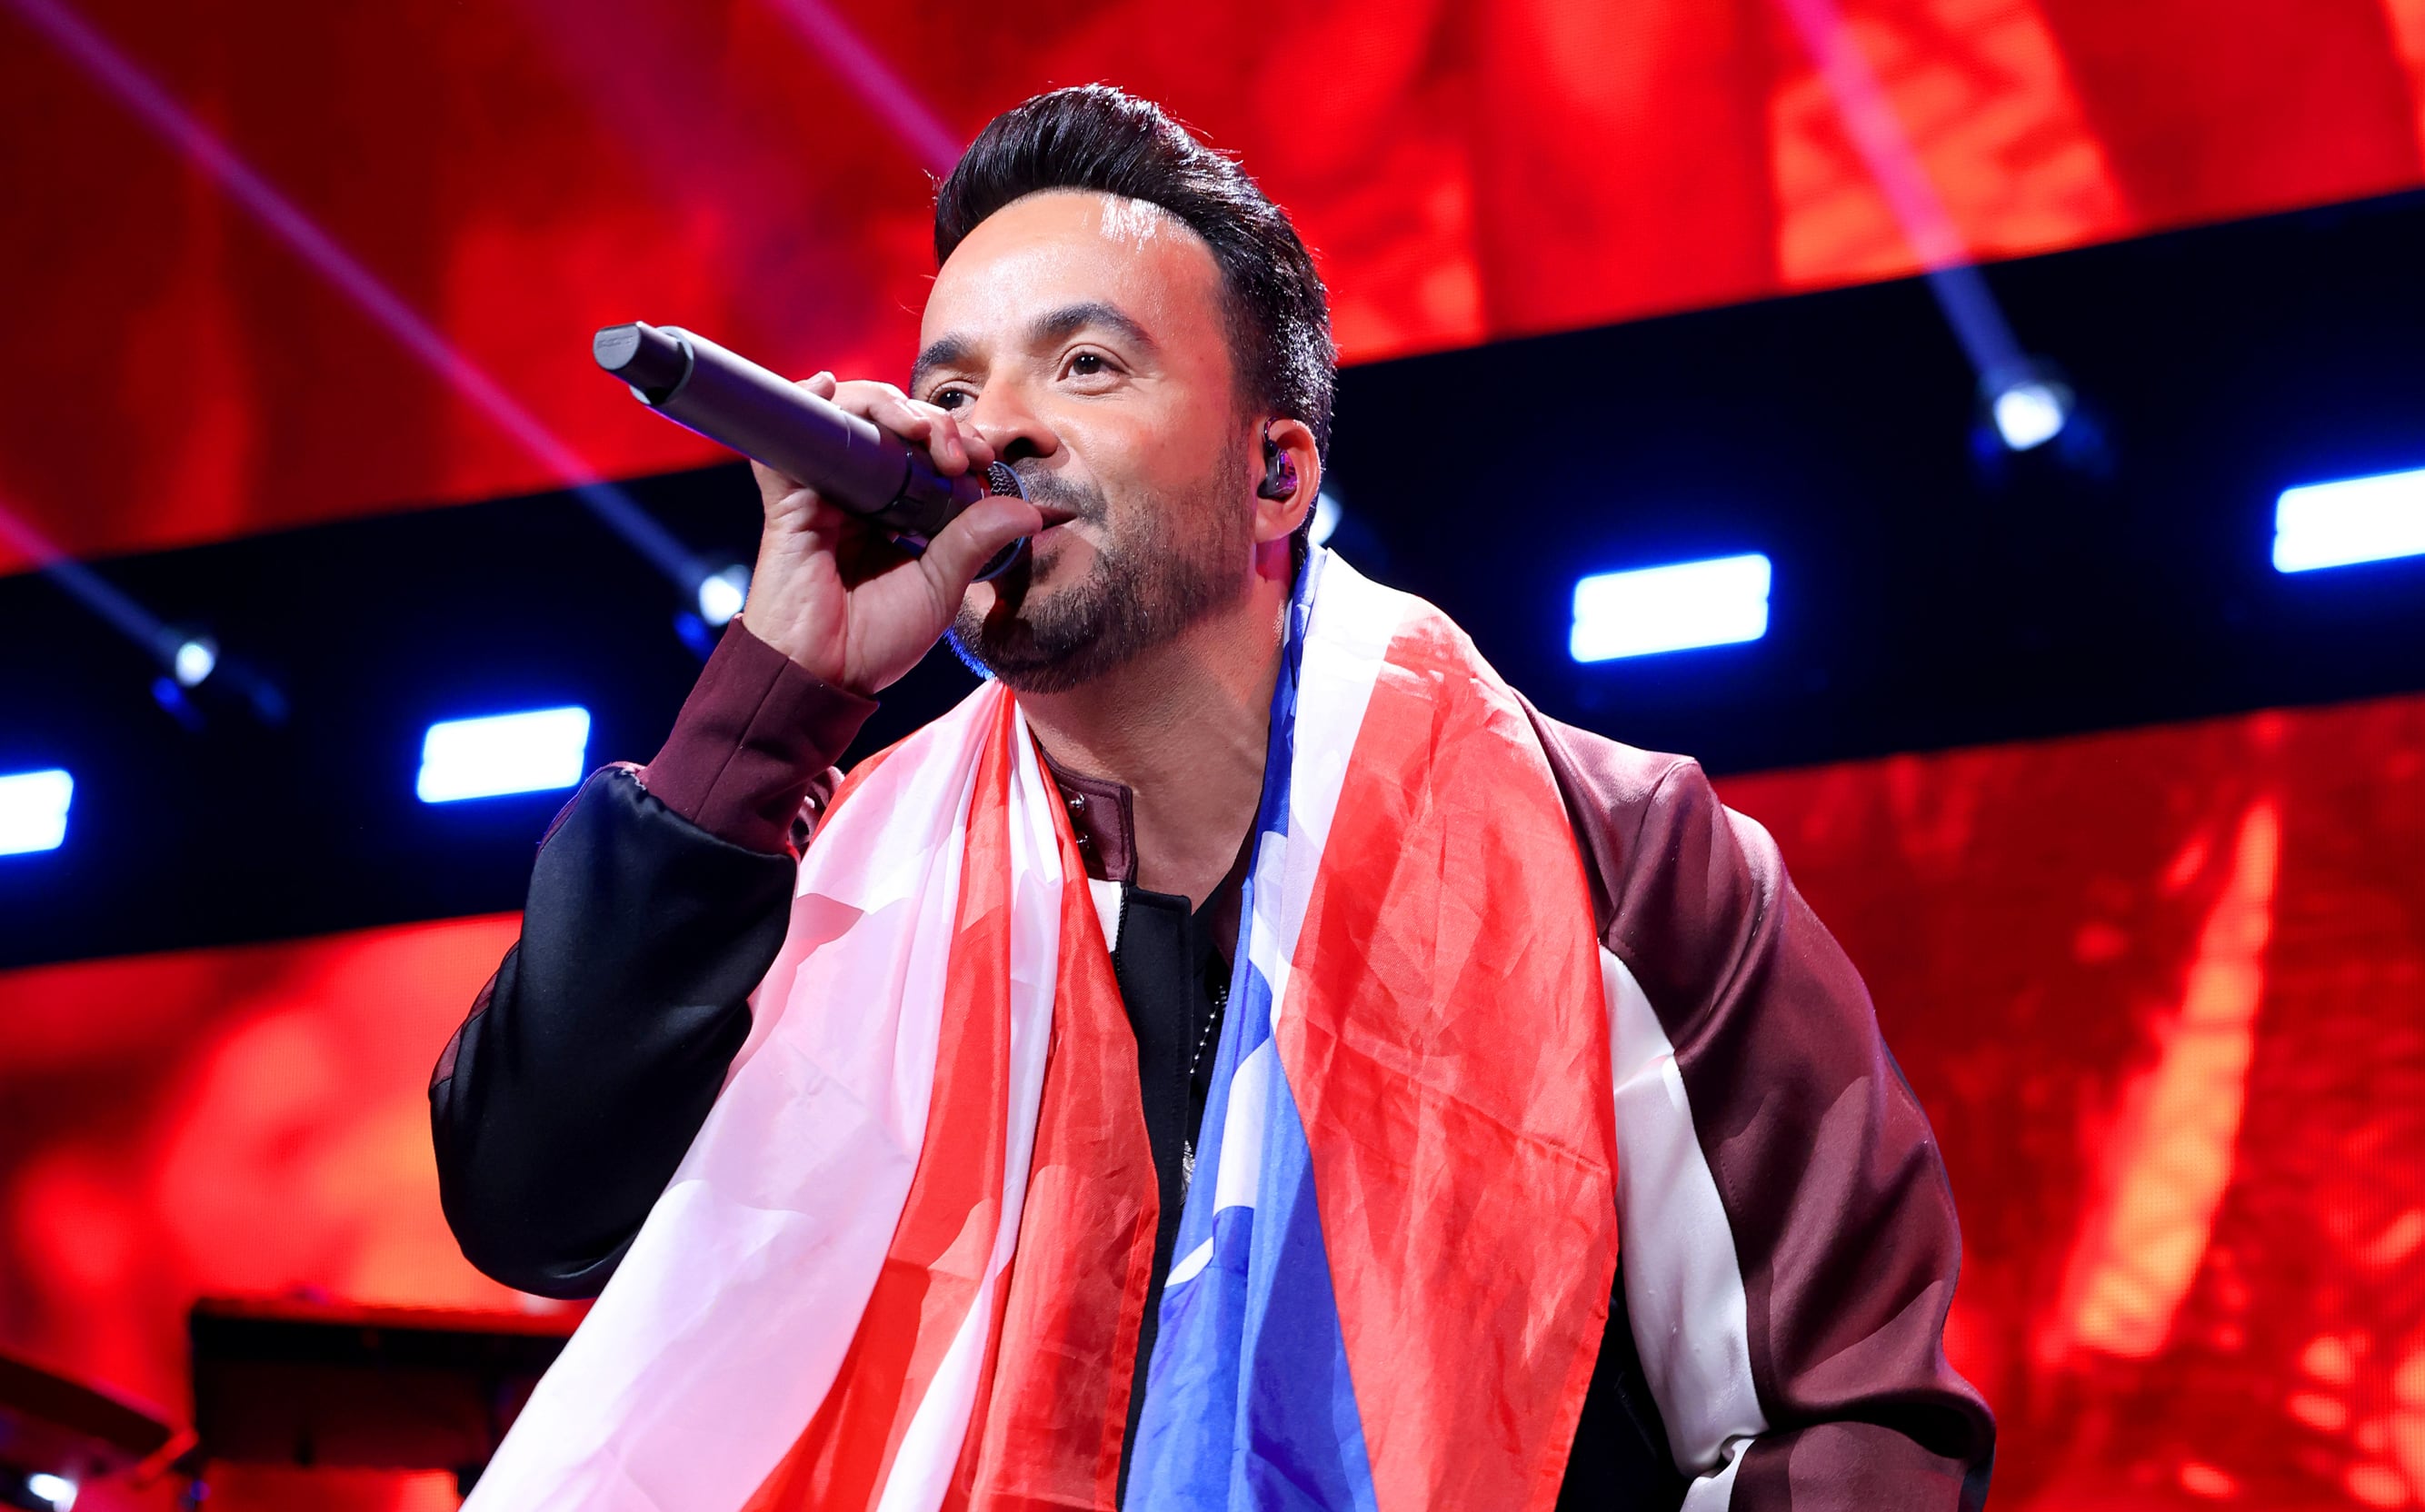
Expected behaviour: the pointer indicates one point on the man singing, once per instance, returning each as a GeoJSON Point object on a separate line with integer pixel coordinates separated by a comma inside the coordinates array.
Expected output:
{"type": "Point", "coordinates": [1243, 1057]}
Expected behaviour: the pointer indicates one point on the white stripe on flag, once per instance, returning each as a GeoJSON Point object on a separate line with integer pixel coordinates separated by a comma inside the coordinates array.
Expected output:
{"type": "Point", "coordinates": [1355, 619]}
{"type": "Point", "coordinates": [930, 1449]}
{"type": "Point", "coordinates": [723, 1328]}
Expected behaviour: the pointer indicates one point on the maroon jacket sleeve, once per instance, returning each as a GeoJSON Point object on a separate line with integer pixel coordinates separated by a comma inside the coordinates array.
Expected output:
{"type": "Point", "coordinates": [1789, 1241]}
{"type": "Point", "coordinates": [757, 737]}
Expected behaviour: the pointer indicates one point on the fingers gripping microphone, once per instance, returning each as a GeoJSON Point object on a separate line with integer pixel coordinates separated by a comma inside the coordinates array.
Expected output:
{"type": "Point", "coordinates": [852, 462]}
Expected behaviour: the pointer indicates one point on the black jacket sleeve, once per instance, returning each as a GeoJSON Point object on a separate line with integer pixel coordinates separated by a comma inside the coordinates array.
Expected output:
{"type": "Point", "coordinates": [564, 1101]}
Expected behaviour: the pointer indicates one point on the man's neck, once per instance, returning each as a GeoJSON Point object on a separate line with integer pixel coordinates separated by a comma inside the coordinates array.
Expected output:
{"type": "Point", "coordinates": [1183, 727]}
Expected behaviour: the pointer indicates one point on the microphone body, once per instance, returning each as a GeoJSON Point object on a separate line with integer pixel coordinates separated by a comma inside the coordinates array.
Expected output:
{"type": "Point", "coordinates": [850, 461]}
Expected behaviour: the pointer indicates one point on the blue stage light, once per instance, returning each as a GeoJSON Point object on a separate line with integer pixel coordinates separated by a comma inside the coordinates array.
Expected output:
{"type": "Point", "coordinates": [527, 753]}
{"type": "Point", "coordinates": [33, 811]}
{"type": "Point", "coordinates": [2357, 520]}
{"type": "Point", "coordinates": [722, 594]}
{"type": "Point", "coordinates": [196, 658]}
{"type": "Point", "coordinates": [2030, 413]}
{"type": "Point", "coordinates": [1723, 601]}
{"type": "Point", "coordinates": [1325, 518]}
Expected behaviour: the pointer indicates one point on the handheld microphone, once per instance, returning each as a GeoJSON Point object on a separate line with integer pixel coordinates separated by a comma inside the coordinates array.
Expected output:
{"type": "Point", "coordinates": [852, 462]}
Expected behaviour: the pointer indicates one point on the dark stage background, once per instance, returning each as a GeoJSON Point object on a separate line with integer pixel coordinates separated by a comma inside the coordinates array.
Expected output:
{"type": "Point", "coordinates": [2124, 829]}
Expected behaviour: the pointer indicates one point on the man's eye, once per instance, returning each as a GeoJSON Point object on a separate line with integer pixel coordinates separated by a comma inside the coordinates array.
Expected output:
{"type": "Point", "coordinates": [949, 398]}
{"type": "Point", "coordinates": [1086, 365]}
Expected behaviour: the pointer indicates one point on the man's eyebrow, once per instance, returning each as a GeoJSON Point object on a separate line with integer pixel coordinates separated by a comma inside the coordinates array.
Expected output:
{"type": "Point", "coordinates": [1055, 327]}
{"type": "Point", "coordinates": [1049, 329]}
{"type": "Point", "coordinates": [944, 352]}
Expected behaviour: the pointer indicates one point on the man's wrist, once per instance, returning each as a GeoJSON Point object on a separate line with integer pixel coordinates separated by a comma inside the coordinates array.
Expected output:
{"type": "Point", "coordinates": [780, 633]}
{"type": "Point", "coordinates": [756, 732]}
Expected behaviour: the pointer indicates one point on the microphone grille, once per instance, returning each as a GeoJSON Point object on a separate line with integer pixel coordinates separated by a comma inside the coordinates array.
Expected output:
{"type": "Point", "coordinates": [1000, 479]}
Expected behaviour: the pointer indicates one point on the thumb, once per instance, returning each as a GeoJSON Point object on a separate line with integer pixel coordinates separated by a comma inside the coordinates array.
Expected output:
{"type": "Point", "coordinates": [954, 557]}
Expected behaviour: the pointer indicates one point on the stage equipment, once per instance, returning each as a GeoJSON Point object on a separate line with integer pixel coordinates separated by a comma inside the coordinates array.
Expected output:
{"type": "Point", "coordinates": [196, 658]}
{"type": "Point", "coordinates": [2026, 402]}
{"type": "Point", "coordinates": [537, 751]}
{"type": "Point", "coordinates": [34, 810]}
{"type": "Point", "coordinates": [2025, 406]}
{"type": "Point", "coordinates": [2028, 414]}
{"type": "Point", "coordinates": [187, 656]}
{"type": "Point", "coordinates": [56, 1434]}
{"type": "Point", "coordinates": [374, 1388]}
{"type": "Point", "coordinates": [852, 462]}
{"type": "Point", "coordinates": [1678, 607]}
{"type": "Point", "coordinates": [2357, 520]}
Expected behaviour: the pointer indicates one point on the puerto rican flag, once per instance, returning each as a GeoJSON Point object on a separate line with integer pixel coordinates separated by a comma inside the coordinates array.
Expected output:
{"type": "Point", "coordinates": [903, 1265]}
{"type": "Point", "coordinates": [1396, 1263]}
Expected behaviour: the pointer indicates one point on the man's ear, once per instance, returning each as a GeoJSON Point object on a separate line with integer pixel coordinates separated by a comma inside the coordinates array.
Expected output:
{"type": "Point", "coordinates": [1287, 477]}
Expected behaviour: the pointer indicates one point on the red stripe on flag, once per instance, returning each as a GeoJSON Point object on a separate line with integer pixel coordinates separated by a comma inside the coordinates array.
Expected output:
{"type": "Point", "coordinates": [945, 1239]}
{"type": "Point", "coordinates": [1050, 1440]}
{"type": "Point", "coordinates": [1446, 1040]}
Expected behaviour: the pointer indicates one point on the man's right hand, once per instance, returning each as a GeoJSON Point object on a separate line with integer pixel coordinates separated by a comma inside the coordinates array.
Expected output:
{"type": "Point", "coordinates": [831, 592]}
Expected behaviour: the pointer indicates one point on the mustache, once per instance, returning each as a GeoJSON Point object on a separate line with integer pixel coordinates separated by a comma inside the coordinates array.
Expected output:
{"type": "Point", "coordinates": [1046, 488]}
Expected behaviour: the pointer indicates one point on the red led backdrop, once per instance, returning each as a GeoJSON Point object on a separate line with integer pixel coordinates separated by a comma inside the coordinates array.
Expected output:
{"type": "Point", "coordinates": [519, 173]}
{"type": "Point", "coordinates": [249, 1121]}
{"type": "Point", "coordinates": [2162, 991]}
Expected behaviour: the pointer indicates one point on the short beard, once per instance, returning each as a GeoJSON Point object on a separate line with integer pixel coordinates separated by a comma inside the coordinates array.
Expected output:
{"type": "Point", "coordinates": [1150, 582]}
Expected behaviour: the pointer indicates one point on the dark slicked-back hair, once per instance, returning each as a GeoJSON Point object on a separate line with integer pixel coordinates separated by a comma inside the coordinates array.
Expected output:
{"type": "Point", "coordinates": [1097, 137]}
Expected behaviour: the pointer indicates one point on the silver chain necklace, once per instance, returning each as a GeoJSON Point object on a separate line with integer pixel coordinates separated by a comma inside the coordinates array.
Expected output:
{"type": "Point", "coordinates": [1212, 1023]}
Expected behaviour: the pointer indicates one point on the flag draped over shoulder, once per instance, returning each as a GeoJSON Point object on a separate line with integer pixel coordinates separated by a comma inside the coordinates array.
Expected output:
{"type": "Point", "coordinates": [902, 1266]}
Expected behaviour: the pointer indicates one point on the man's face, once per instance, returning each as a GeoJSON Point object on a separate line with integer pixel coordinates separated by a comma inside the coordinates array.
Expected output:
{"type": "Point", "coordinates": [1084, 337]}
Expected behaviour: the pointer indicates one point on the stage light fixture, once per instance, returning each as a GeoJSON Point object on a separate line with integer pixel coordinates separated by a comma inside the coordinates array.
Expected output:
{"type": "Point", "coordinates": [2357, 520]}
{"type": "Point", "coordinates": [59, 1491]}
{"type": "Point", "coordinates": [2026, 407]}
{"type": "Point", "coordinates": [1722, 601]}
{"type": "Point", "coordinates": [2030, 412]}
{"type": "Point", "coordinates": [33, 811]}
{"type": "Point", "coordinates": [195, 659]}
{"type": "Point", "coordinates": [533, 752]}
{"type": "Point", "coordinates": [722, 593]}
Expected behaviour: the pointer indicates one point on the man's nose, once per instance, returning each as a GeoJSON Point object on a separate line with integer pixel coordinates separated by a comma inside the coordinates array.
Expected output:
{"type": "Point", "coordinates": [1010, 425]}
